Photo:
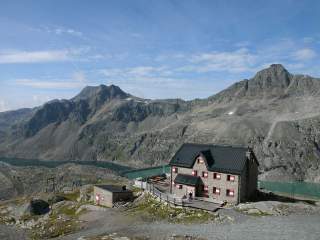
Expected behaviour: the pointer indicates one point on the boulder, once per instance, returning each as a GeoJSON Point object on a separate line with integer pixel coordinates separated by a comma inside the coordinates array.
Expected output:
{"type": "Point", "coordinates": [38, 207]}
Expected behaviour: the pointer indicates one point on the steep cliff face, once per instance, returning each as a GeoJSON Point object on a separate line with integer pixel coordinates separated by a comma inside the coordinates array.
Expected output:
{"type": "Point", "coordinates": [275, 112]}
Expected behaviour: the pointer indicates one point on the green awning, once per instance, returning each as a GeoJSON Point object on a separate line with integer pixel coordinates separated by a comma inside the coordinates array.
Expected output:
{"type": "Point", "coordinates": [187, 179]}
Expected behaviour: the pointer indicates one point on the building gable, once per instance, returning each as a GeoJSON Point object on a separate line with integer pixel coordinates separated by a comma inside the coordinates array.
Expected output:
{"type": "Point", "coordinates": [218, 158]}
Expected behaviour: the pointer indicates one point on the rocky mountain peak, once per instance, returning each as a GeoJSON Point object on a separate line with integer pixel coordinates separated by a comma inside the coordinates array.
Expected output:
{"type": "Point", "coordinates": [101, 92]}
{"type": "Point", "coordinates": [276, 76]}
{"type": "Point", "coordinates": [272, 82]}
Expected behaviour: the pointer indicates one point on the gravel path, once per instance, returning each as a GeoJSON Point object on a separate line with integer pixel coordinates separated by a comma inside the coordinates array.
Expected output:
{"type": "Point", "coordinates": [293, 227]}
{"type": "Point", "coordinates": [11, 233]}
{"type": "Point", "coordinates": [262, 228]}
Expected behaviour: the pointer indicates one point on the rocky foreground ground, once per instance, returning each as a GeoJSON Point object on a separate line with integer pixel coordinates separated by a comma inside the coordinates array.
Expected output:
{"type": "Point", "coordinates": [73, 216]}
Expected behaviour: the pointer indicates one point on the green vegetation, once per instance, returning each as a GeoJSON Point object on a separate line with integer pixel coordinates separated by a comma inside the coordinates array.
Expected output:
{"type": "Point", "coordinates": [62, 220]}
{"type": "Point", "coordinates": [154, 210]}
{"type": "Point", "coordinates": [253, 212]}
{"type": "Point", "coordinates": [73, 196]}
{"type": "Point", "coordinates": [54, 228]}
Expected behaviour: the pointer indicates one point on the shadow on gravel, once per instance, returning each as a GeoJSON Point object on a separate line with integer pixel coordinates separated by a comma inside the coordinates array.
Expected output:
{"type": "Point", "coordinates": [270, 196]}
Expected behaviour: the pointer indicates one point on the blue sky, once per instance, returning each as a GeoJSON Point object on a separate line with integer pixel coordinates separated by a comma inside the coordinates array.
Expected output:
{"type": "Point", "coordinates": [152, 49]}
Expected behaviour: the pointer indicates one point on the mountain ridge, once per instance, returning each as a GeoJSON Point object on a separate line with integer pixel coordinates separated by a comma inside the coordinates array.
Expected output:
{"type": "Point", "coordinates": [275, 112]}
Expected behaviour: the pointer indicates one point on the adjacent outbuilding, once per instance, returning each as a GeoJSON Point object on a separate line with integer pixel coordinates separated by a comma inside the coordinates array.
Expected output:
{"type": "Point", "coordinates": [108, 195]}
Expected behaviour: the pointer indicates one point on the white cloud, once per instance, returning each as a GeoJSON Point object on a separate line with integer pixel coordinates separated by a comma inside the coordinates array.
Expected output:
{"type": "Point", "coordinates": [240, 60]}
{"type": "Point", "coordinates": [59, 30]}
{"type": "Point", "coordinates": [40, 99]}
{"type": "Point", "coordinates": [3, 106]}
{"type": "Point", "coordinates": [136, 72]}
{"type": "Point", "coordinates": [80, 77]}
{"type": "Point", "coordinates": [144, 76]}
{"type": "Point", "coordinates": [51, 84]}
{"type": "Point", "coordinates": [304, 54]}
{"type": "Point", "coordinates": [308, 39]}
{"type": "Point", "coordinates": [36, 56]}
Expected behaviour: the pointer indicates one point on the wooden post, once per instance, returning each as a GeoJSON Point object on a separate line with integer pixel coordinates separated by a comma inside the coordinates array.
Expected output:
{"type": "Point", "coordinates": [160, 197]}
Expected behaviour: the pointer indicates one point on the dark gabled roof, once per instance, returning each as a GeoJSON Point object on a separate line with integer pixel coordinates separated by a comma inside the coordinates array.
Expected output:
{"type": "Point", "coordinates": [220, 158]}
{"type": "Point", "coordinates": [187, 179]}
{"type": "Point", "coordinates": [113, 188]}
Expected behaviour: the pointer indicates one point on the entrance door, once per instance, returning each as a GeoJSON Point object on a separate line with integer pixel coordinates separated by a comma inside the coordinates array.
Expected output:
{"type": "Point", "coordinates": [191, 190]}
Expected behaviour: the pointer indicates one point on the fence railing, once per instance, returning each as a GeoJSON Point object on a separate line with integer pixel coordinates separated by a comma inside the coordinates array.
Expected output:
{"type": "Point", "coordinates": [177, 201]}
{"type": "Point", "coordinates": [163, 197]}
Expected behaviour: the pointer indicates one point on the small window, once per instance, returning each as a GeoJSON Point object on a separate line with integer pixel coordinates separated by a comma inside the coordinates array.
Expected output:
{"type": "Point", "coordinates": [205, 191]}
{"type": "Point", "coordinates": [231, 178]}
{"type": "Point", "coordinates": [97, 197]}
{"type": "Point", "coordinates": [175, 169]}
{"type": "Point", "coordinates": [230, 193]}
{"type": "Point", "coordinates": [179, 186]}
{"type": "Point", "coordinates": [200, 160]}
{"type": "Point", "coordinates": [205, 174]}
{"type": "Point", "coordinates": [217, 176]}
{"type": "Point", "coordinates": [194, 172]}
{"type": "Point", "coordinates": [216, 190]}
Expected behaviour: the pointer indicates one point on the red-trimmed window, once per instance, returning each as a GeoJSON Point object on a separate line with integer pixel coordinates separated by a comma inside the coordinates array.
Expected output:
{"type": "Point", "coordinates": [216, 191]}
{"type": "Point", "coordinates": [217, 176]}
{"type": "Point", "coordinates": [231, 178]}
{"type": "Point", "coordinates": [194, 173]}
{"type": "Point", "coordinates": [205, 174]}
{"type": "Point", "coordinates": [175, 169]}
{"type": "Point", "coordinates": [179, 186]}
{"type": "Point", "coordinates": [230, 193]}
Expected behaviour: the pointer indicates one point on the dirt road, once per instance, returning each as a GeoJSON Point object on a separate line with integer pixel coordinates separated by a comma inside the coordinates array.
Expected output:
{"type": "Point", "coordinates": [250, 228]}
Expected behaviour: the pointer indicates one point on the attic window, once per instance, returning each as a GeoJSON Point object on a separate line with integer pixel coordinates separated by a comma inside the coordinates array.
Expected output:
{"type": "Point", "coordinates": [175, 169]}
{"type": "Point", "coordinates": [179, 186]}
{"type": "Point", "coordinates": [231, 178]}
{"type": "Point", "coordinates": [200, 160]}
{"type": "Point", "coordinates": [217, 176]}
{"type": "Point", "coordinates": [194, 173]}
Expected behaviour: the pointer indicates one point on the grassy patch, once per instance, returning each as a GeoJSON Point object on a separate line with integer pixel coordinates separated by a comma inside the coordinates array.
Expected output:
{"type": "Point", "coordinates": [73, 196]}
{"type": "Point", "coordinates": [54, 227]}
{"type": "Point", "coordinates": [255, 212]}
{"type": "Point", "coordinates": [62, 221]}
{"type": "Point", "coordinates": [151, 209]}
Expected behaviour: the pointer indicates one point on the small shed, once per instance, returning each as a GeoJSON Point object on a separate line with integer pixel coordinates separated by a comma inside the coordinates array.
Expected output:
{"type": "Point", "coordinates": [107, 195]}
